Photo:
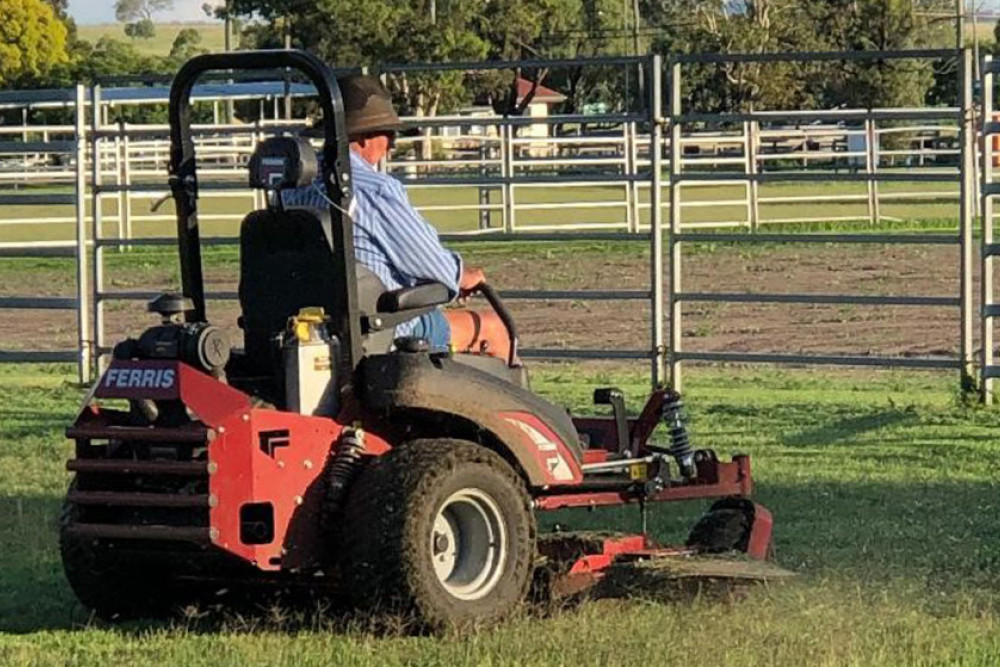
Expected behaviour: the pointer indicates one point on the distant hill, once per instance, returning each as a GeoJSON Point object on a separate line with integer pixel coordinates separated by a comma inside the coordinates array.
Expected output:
{"type": "Point", "coordinates": [212, 36]}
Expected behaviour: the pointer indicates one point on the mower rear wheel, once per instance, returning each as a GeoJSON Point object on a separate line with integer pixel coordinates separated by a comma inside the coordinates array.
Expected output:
{"type": "Point", "coordinates": [113, 585]}
{"type": "Point", "coordinates": [442, 529]}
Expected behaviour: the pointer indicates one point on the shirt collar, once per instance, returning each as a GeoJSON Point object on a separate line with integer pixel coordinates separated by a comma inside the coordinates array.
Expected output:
{"type": "Point", "coordinates": [358, 162]}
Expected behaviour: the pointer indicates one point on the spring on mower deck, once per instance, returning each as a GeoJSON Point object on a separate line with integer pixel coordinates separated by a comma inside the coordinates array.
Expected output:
{"type": "Point", "coordinates": [343, 467]}
{"type": "Point", "coordinates": [680, 443]}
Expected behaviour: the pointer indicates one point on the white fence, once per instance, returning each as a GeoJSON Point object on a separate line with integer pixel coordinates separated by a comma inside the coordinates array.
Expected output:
{"type": "Point", "coordinates": [477, 165]}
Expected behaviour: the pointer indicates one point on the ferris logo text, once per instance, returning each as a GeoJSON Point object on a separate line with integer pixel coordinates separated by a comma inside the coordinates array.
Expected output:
{"type": "Point", "coordinates": [140, 378]}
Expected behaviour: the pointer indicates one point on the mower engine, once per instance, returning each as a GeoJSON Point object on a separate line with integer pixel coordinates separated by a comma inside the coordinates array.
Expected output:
{"type": "Point", "coordinates": [197, 344]}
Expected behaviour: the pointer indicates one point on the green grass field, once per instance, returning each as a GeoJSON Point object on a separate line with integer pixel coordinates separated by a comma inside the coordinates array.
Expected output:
{"type": "Point", "coordinates": [883, 488]}
{"type": "Point", "coordinates": [212, 36]}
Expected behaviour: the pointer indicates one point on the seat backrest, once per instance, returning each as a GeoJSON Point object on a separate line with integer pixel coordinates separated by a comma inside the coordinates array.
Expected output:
{"type": "Point", "coordinates": [286, 264]}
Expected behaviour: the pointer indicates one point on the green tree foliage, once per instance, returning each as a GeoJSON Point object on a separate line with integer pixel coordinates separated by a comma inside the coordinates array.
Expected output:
{"type": "Point", "coordinates": [138, 16]}
{"type": "Point", "coordinates": [32, 41]}
{"type": "Point", "coordinates": [111, 57]}
{"type": "Point", "coordinates": [187, 44]}
{"type": "Point", "coordinates": [141, 29]}
{"type": "Point", "coordinates": [757, 26]}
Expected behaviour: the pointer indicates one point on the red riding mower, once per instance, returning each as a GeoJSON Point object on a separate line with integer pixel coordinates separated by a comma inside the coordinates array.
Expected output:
{"type": "Point", "coordinates": [324, 454]}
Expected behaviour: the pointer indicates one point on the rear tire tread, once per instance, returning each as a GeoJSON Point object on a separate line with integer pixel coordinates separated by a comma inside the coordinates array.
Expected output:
{"type": "Point", "coordinates": [383, 532]}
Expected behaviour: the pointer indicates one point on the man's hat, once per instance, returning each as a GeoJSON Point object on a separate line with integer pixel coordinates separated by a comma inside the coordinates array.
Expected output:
{"type": "Point", "coordinates": [367, 108]}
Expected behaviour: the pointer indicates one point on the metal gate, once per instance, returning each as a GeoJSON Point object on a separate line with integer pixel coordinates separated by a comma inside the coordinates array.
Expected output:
{"type": "Point", "coordinates": [964, 175]}
{"type": "Point", "coordinates": [989, 309]}
{"type": "Point", "coordinates": [74, 149]}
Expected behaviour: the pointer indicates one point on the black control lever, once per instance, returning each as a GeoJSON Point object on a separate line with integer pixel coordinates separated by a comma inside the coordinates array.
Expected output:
{"type": "Point", "coordinates": [616, 399]}
{"type": "Point", "coordinates": [498, 306]}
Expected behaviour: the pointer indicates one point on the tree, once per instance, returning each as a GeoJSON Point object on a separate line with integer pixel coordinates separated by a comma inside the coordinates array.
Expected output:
{"type": "Point", "coordinates": [187, 44]}
{"type": "Point", "coordinates": [141, 29]}
{"type": "Point", "coordinates": [385, 31]}
{"type": "Point", "coordinates": [138, 16]}
{"type": "Point", "coordinates": [32, 41]}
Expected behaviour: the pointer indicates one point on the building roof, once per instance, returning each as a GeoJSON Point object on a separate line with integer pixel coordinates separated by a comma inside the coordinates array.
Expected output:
{"type": "Point", "coordinates": [543, 95]}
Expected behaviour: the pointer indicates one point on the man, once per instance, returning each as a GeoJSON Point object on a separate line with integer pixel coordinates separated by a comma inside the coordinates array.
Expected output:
{"type": "Point", "coordinates": [392, 239]}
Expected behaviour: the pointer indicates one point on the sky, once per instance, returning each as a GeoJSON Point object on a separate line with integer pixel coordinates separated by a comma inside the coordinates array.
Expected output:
{"type": "Point", "coordinates": [103, 11]}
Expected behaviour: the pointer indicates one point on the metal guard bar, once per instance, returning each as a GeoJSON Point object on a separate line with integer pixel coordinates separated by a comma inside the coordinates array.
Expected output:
{"type": "Point", "coordinates": [915, 239]}
{"type": "Point", "coordinates": [772, 177]}
{"type": "Point", "coordinates": [536, 353]}
{"type": "Point", "coordinates": [112, 531]}
{"type": "Point", "coordinates": [38, 356]}
{"type": "Point", "coordinates": [721, 297]}
{"type": "Point", "coordinates": [823, 360]}
{"type": "Point", "coordinates": [813, 56]}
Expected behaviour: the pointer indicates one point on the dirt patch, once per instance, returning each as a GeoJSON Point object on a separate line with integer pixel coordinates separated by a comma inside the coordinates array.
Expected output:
{"type": "Point", "coordinates": [622, 325]}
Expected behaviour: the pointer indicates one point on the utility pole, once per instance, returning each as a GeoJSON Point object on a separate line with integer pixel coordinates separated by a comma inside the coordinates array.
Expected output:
{"type": "Point", "coordinates": [288, 79]}
{"type": "Point", "coordinates": [641, 83]}
{"type": "Point", "coordinates": [975, 38]}
{"type": "Point", "coordinates": [625, 49]}
{"type": "Point", "coordinates": [433, 11]}
{"type": "Point", "coordinates": [635, 27]}
{"type": "Point", "coordinates": [230, 110]}
{"type": "Point", "coordinates": [959, 24]}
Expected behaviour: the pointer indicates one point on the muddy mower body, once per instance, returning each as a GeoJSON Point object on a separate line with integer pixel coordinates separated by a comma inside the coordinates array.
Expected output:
{"type": "Point", "coordinates": [325, 454]}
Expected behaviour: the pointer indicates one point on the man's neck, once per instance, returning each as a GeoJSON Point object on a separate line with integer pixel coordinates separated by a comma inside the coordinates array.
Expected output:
{"type": "Point", "coordinates": [360, 152]}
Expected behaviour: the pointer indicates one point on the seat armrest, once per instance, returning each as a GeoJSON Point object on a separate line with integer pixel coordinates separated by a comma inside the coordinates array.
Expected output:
{"type": "Point", "coordinates": [427, 295]}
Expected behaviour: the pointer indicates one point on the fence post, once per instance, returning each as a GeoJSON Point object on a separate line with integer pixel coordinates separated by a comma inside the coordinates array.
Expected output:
{"type": "Point", "coordinates": [84, 341]}
{"type": "Point", "coordinates": [631, 187]}
{"type": "Point", "coordinates": [507, 147]}
{"type": "Point", "coordinates": [674, 348]}
{"type": "Point", "coordinates": [96, 216]}
{"type": "Point", "coordinates": [871, 167]}
{"type": "Point", "coordinates": [484, 192]}
{"type": "Point", "coordinates": [119, 180]}
{"type": "Point", "coordinates": [986, 279]}
{"type": "Point", "coordinates": [966, 216]}
{"type": "Point", "coordinates": [255, 139]}
{"type": "Point", "coordinates": [126, 179]}
{"type": "Point", "coordinates": [655, 107]}
{"type": "Point", "coordinates": [752, 129]}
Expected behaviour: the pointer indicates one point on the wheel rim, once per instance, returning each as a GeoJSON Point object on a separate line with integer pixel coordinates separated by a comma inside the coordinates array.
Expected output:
{"type": "Point", "coordinates": [468, 545]}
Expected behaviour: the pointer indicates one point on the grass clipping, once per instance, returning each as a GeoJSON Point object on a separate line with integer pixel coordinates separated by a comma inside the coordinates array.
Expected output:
{"type": "Point", "coordinates": [673, 579]}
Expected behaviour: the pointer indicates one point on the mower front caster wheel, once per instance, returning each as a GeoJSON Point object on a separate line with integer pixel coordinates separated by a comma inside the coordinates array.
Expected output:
{"type": "Point", "coordinates": [442, 529]}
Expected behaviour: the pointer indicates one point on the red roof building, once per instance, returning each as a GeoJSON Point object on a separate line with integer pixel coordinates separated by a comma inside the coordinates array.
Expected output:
{"type": "Point", "coordinates": [543, 95]}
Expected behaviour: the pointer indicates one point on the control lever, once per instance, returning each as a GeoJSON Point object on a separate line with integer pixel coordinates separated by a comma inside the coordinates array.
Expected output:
{"type": "Point", "coordinates": [155, 206]}
{"type": "Point", "coordinates": [491, 296]}
{"type": "Point", "coordinates": [616, 399]}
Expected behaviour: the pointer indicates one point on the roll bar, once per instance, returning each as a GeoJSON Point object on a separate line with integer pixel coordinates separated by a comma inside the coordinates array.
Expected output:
{"type": "Point", "coordinates": [335, 172]}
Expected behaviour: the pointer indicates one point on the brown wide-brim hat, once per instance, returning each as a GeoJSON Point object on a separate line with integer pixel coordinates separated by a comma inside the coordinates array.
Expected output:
{"type": "Point", "coordinates": [367, 108]}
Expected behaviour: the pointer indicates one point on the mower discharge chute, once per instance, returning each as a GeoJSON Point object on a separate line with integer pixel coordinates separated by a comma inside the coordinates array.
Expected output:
{"type": "Point", "coordinates": [325, 454]}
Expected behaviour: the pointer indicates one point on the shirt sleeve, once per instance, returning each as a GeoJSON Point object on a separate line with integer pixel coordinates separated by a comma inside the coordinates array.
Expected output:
{"type": "Point", "coordinates": [411, 243]}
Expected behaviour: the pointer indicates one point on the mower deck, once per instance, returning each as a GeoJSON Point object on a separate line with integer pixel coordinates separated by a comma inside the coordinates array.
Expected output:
{"type": "Point", "coordinates": [577, 562]}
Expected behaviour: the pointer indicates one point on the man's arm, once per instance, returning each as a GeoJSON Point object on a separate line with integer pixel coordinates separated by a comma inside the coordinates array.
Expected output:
{"type": "Point", "coordinates": [412, 244]}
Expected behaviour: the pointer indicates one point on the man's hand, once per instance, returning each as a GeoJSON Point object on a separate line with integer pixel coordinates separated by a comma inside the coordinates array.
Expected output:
{"type": "Point", "coordinates": [471, 279]}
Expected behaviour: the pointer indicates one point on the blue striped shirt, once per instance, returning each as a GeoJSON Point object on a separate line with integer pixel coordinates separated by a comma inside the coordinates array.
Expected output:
{"type": "Point", "coordinates": [390, 237]}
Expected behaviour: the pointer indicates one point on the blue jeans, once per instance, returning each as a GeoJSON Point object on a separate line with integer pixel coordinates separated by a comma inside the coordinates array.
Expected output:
{"type": "Point", "coordinates": [434, 328]}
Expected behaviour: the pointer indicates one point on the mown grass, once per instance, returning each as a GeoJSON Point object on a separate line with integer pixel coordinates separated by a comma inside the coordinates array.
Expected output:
{"type": "Point", "coordinates": [883, 488]}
